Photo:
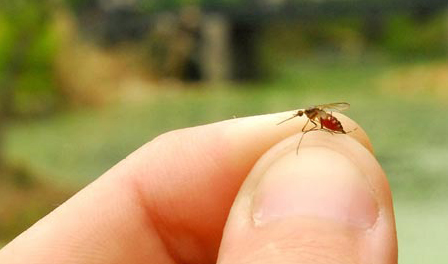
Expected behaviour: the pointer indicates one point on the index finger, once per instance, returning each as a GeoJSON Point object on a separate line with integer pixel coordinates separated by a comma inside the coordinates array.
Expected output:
{"type": "Point", "coordinates": [167, 202]}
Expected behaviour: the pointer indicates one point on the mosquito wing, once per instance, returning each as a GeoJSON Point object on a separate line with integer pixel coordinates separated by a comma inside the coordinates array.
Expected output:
{"type": "Point", "coordinates": [334, 107]}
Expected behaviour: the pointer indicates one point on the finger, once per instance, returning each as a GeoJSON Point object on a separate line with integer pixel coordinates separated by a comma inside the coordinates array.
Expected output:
{"type": "Point", "coordinates": [165, 203]}
{"type": "Point", "coordinates": [331, 203]}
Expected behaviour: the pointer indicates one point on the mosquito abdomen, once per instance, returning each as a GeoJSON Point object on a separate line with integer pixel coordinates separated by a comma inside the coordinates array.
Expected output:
{"type": "Point", "coordinates": [330, 122]}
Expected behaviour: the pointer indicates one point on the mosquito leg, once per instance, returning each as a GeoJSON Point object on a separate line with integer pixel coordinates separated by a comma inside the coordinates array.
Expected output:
{"type": "Point", "coordinates": [301, 138]}
{"type": "Point", "coordinates": [315, 124]}
{"type": "Point", "coordinates": [303, 128]}
{"type": "Point", "coordinates": [304, 132]}
{"type": "Point", "coordinates": [332, 132]}
{"type": "Point", "coordinates": [351, 130]}
{"type": "Point", "coordinates": [339, 132]}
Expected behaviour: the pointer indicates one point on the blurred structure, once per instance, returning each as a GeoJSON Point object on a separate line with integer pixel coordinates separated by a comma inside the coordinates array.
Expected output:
{"type": "Point", "coordinates": [175, 42]}
{"type": "Point", "coordinates": [216, 40]}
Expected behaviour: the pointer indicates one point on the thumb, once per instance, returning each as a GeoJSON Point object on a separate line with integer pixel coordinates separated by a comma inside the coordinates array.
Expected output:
{"type": "Point", "coordinates": [330, 203]}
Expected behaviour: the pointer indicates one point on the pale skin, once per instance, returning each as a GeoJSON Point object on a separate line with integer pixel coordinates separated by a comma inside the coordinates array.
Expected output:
{"type": "Point", "coordinates": [206, 195]}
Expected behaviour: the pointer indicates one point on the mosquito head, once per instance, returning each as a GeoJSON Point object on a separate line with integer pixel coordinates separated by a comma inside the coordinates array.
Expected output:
{"type": "Point", "coordinates": [300, 113]}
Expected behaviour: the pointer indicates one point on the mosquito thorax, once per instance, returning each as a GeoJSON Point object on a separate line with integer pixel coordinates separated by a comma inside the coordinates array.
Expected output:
{"type": "Point", "coordinates": [310, 112]}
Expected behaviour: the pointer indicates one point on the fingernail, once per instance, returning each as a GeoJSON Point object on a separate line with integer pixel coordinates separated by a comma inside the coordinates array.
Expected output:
{"type": "Point", "coordinates": [317, 183]}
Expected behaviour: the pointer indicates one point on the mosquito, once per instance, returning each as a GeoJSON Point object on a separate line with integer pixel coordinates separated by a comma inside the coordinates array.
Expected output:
{"type": "Point", "coordinates": [323, 115]}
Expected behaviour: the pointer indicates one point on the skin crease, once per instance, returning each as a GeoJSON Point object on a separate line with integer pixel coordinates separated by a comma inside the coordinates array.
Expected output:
{"type": "Point", "coordinates": [168, 201]}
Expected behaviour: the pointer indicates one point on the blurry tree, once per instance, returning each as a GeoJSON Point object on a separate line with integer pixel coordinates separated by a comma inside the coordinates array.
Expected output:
{"type": "Point", "coordinates": [26, 88]}
{"type": "Point", "coordinates": [25, 60]}
{"type": "Point", "coordinates": [407, 36]}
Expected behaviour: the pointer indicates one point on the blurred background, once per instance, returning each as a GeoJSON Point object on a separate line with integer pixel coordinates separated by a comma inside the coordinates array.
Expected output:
{"type": "Point", "coordinates": [85, 82]}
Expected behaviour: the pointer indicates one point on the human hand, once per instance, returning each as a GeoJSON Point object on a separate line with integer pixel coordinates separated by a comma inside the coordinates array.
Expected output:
{"type": "Point", "coordinates": [169, 201]}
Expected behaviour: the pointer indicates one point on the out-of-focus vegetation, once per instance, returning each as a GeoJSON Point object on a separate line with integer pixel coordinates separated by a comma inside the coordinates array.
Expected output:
{"type": "Point", "coordinates": [27, 48]}
{"type": "Point", "coordinates": [84, 83]}
{"type": "Point", "coordinates": [428, 40]}
{"type": "Point", "coordinates": [27, 89]}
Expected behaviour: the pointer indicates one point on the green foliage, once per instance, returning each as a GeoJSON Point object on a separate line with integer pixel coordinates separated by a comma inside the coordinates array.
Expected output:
{"type": "Point", "coordinates": [6, 41]}
{"type": "Point", "coordinates": [77, 4]}
{"type": "Point", "coordinates": [160, 5]}
{"type": "Point", "coordinates": [405, 36]}
{"type": "Point", "coordinates": [27, 48]}
{"type": "Point", "coordinates": [166, 4]}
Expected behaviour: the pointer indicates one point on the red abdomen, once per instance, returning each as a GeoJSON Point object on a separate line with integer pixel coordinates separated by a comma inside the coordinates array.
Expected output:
{"type": "Point", "coordinates": [331, 123]}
